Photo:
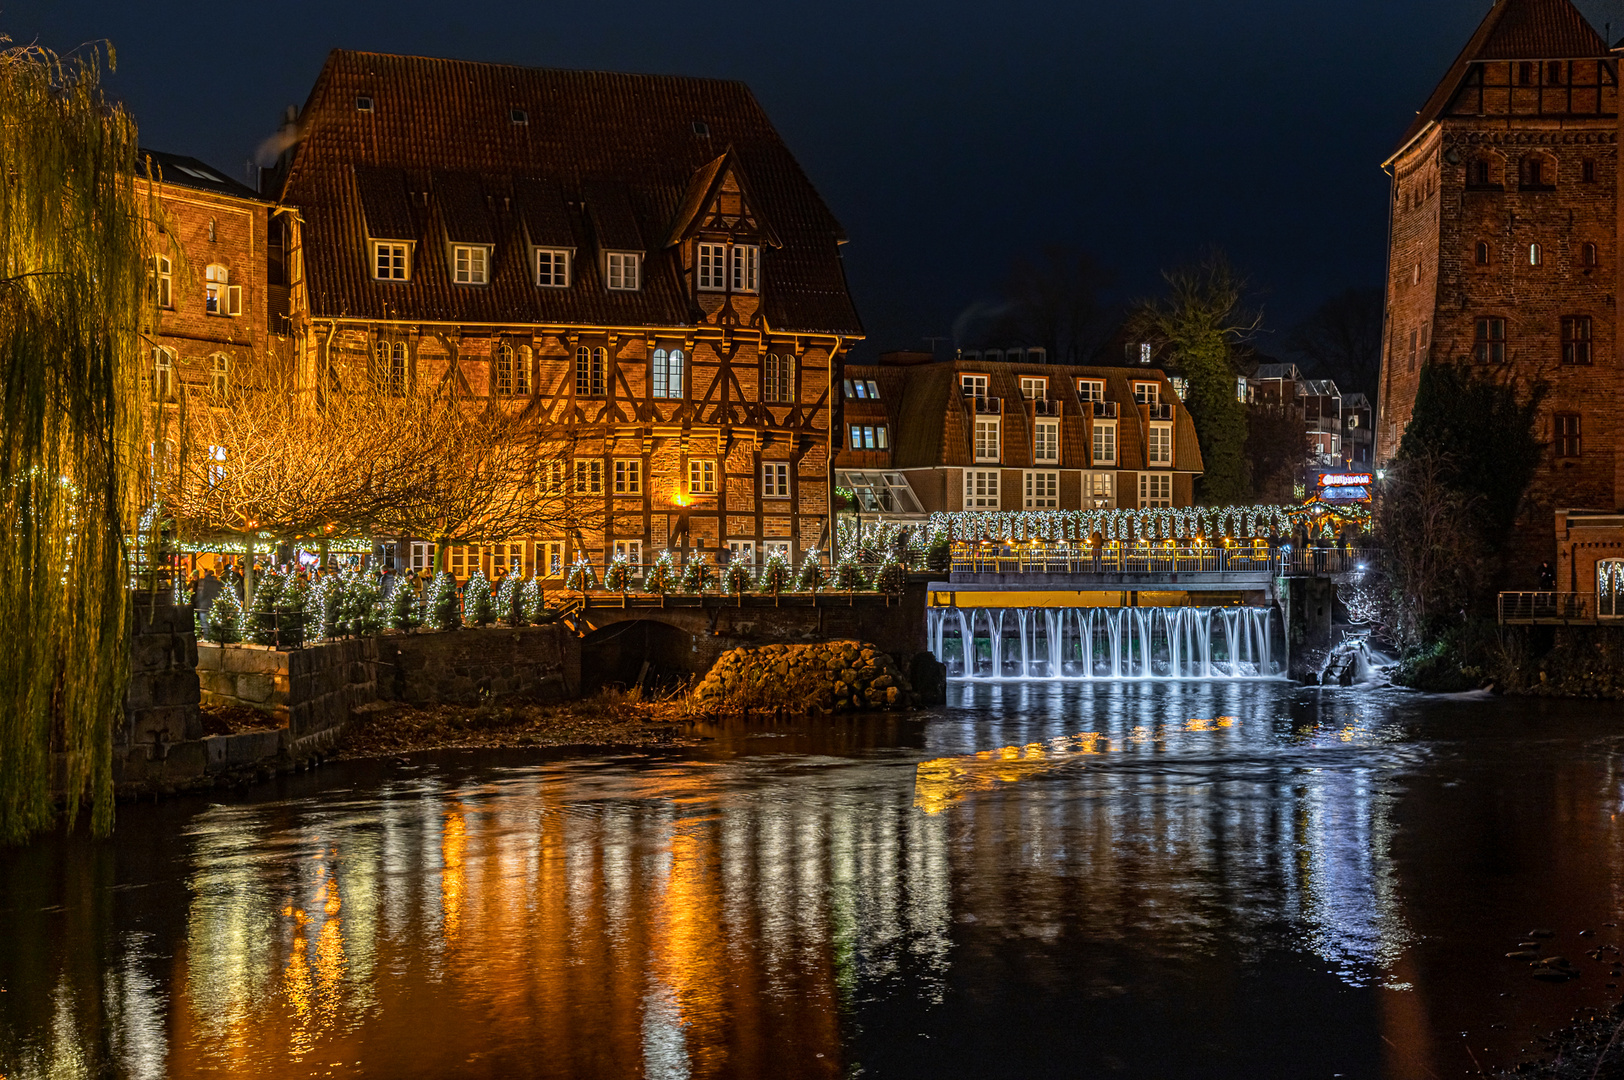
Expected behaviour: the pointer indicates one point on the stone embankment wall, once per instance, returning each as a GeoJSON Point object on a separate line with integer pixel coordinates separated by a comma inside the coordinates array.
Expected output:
{"type": "Point", "coordinates": [833, 676]}
{"type": "Point", "coordinates": [308, 692]}
{"type": "Point", "coordinates": [470, 666]}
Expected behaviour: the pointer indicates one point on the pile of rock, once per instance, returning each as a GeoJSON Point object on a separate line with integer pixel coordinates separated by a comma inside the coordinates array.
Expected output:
{"type": "Point", "coordinates": [832, 676]}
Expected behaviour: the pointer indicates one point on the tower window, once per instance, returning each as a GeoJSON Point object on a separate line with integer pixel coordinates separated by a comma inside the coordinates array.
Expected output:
{"type": "Point", "coordinates": [1567, 435]}
{"type": "Point", "coordinates": [1553, 72]}
{"type": "Point", "coordinates": [1489, 341]}
{"type": "Point", "coordinates": [1587, 254]}
{"type": "Point", "coordinates": [1535, 255]}
{"type": "Point", "coordinates": [1538, 172]}
{"type": "Point", "coordinates": [1525, 73]}
{"type": "Point", "coordinates": [1482, 253]}
{"type": "Point", "coordinates": [1576, 339]}
{"type": "Point", "coordinates": [1587, 170]}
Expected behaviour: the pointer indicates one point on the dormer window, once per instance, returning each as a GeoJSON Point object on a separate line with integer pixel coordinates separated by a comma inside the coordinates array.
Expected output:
{"type": "Point", "coordinates": [728, 267]}
{"type": "Point", "coordinates": [712, 267]}
{"type": "Point", "coordinates": [363, 104]}
{"type": "Point", "coordinates": [470, 264]}
{"type": "Point", "coordinates": [552, 268]}
{"type": "Point", "coordinates": [746, 268]}
{"type": "Point", "coordinates": [622, 270]}
{"type": "Point", "coordinates": [390, 261]}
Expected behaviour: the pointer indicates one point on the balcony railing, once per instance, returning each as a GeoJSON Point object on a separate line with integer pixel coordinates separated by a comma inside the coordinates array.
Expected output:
{"type": "Point", "coordinates": [989, 404]}
{"type": "Point", "coordinates": [1042, 407]}
{"type": "Point", "coordinates": [1556, 607]}
{"type": "Point", "coordinates": [1105, 410]}
{"type": "Point", "coordinates": [1164, 411]}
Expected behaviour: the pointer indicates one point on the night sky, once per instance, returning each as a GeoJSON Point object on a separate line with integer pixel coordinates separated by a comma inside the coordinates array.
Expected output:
{"type": "Point", "coordinates": [949, 138]}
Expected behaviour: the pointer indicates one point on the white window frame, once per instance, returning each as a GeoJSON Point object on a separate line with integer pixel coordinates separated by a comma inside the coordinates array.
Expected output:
{"type": "Point", "coordinates": [632, 550]}
{"type": "Point", "coordinates": [422, 556]}
{"type": "Point", "coordinates": [744, 268]}
{"type": "Point", "coordinates": [775, 480]}
{"type": "Point", "coordinates": [216, 299]}
{"type": "Point", "coordinates": [219, 375]}
{"type": "Point", "coordinates": [742, 550]}
{"type": "Point", "coordinates": [164, 281]}
{"type": "Point", "coordinates": [989, 439]}
{"type": "Point", "coordinates": [701, 477]}
{"type": "Point", "coordinates": [1160, 448]}
{"type": "Point", "coordinates": [623, 270]}
{"type": "Point", "coordinates": [550, 477]}
{"type": "Point", "coordinates": [470, 264]}
{"type": "Point", "coordinates": [391, 366]}
{"type": "Point", "coordinates": [1147, 393]}
{"type": "Point", "coordinates": [1034, 388]}
{"type": "Point", "coordinates": [589, 477]}
{"type": "Point", "coordinates": [869, 437]}
{"type": "Point", "coordinates": [769, 548]}
{"type": "Point", "coordinates": [778, 378]}
{"type": "Point", "coordinates": [973, 385]}
{"type": "Point", "coordinates": [1155, 489]}
{"type": "Point", "coordinates": [163, 373]}
{"type": "Point", "coordinates": [1104, 443]}
{"type": "Point", "coordinates": [1091, 389]}
{"type": "Point", "coordinates": [981, 489]}
{"type": "Point", "coordinates": [1099, 490]}
{"type": "Point", "coordinates": [557, 264]}
{"type": "Point", "coordinates": [666, 369]}
{"type": "Point", "coordinates": [550, 558]}
{"type": "Point", "coordinates": [710, 267]}
{"type": "Point", "coordinates": [391, 260]}
{"type": "Point", "coordinates": [628, 476]}
{"type": "Point", "coordinates": [1046, 442]}
{"type": "Point", "coordinates": [1042, 489]}
{"type": "Point", "coordinates": [591, 371]}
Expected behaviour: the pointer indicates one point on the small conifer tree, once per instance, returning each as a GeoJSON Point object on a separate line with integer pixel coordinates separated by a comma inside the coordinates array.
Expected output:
{"type": "Point", "coordinates": [582, 577]}
{"type": "Point", "coordinates": [509, 602]}
{"type": "Point", "coordinates": [776, 576]}
{"type": "Point", "coordinates": [442, 610]}
{"type": "Point", "coordinates": [477, 606]}
{"type": "Point", "coordinates": [617, 577]}
{"type": "Point", "coordinates": [405, 607]}
{"type": "Point", "coordinates": [262, 613]}
{"type": "Point", "coordinates": [534, 602]}
{"type": "Point", "coordinates": [225, 617]}
{"type": "Point", "coordinates": [848, 574]}
{"type": "Point", "coordinates": [736, 578]}
{"type": "Point", "coordinates": [698, 574]}
{"type": "Point", "coordinates": [662, 576]}
{"type": "Point", "coordinates": [812, 575]}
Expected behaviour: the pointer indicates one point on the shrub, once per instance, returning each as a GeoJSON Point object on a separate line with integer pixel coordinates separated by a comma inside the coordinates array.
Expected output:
{"type": "Point", "coordinates": [477, 605]}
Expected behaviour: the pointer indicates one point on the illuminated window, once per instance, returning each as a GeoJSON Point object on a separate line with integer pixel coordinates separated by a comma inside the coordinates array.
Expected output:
{"type": "Point", "coordinates": [1536, 255]}
{"type": "Point", "coordinates": [778, 378]}
{"type": "Point", "coordinates": [389, 262]}
{"type": "Point", "coordinates": [628, 476]}
{"type": "Point", "coordinates": [1105, 442]}
{"type": "Point", "coordinates": [1099, 489]}
{"type": "Point", "coordinates": [702, 478]}
{"type": "Point", "coordinates": [1042, 490]}
{"type": "Point", "coordinates": [164, 281]}
{"type": "Point", "coordinates": [775, 480]}
{"type": "Point", "coordinates": [632, 552]}
{"type": "Point", "coordinates": [550, 558]}
{"type": "Point", "coordinates": [470, 264]}
{"type": "Point", "coordinates": [1161, 444]}
{"type": "Point", "coordinates": [589, 371]}
{"type": "Point", "coordinates": [987, 440]}
{"type": "Point", "coordinates": [552, 268]}
{"type": "Point", "coordinates": [1034, 389]}
{"type": "Point", "coordinates": [1576, 339]}
{"type": "Point", "coordinates": [621, 269]}
{"type": "Point", "coordinates": [216, 300]}
{"type": "Point", "coordinates": [869, 437]}
{"type": "Point", "coordinates": [1155, 489]}
{"type": "Point", "coordinates": [422, 557]}
{"type": "Point", "coordinates": [589, 478]}
{"type": "Point", "coordinates": [1046, 442]}
{"type": "Point", "coordinates": [746, 260]}
{"type": "Point", "coordinates": [666, 368]}
{"type": "Point", "coordinates": [981, 489]}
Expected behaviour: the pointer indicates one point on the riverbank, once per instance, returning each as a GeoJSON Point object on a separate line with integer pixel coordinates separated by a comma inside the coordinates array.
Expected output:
{"type": "Point", "coordinates": [1590, 1049]}
{"type": "Point", "coordinates": [611, 719]}
{"type": "Point", "coordinates": [1534, 661]}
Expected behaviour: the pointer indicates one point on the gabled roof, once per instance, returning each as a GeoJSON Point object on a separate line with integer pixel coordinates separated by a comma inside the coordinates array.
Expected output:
{"type": "Point", "coordinates": [597, 160]}
{"type": "Point", "coordinates": [1512, 30]}
{"type": "Point", "coordinates": [189, 172]}
{"type": "Point", "coordinates": [702, 191]}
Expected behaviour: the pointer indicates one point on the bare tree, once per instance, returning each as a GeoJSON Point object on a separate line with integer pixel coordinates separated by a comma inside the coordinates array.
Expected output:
{"type": "Point", "coordinates": [1342, 340]}
{"type": "Point", "coordinates": [1432, 559]}
{"type": "Point", "coordinates": [1054, 301]}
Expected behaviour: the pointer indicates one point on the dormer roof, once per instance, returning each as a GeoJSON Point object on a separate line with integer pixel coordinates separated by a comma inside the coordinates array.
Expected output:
{"type": "Point", "coordinates": [702, 193]}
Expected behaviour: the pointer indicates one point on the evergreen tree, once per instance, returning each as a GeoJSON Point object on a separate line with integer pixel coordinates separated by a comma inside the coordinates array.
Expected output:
{"type": "Point", "coordinates": [262, 621]}
{"type": "Point", "coordinates": [477, 607]}
{"type": "Point", "coordinates": [326, 597]}
{"type": "Point", "coordinates": [698, 574]}
{"type": "Point", "coordinates": [582, 577]}
{"type": "Point", "coordinates": [443, 611]}
{"type": "Point", "coordinates": [359, 604]}
{"type": "Point", "coordinates": [848, 574]}
{"type": "Point", "coordinates": [405, 608]}
{"type": "Point", "coordinates": [534, 602]}
{"type": "Point", "coordinates": [509, 605]}
{"type": "Point", "coordinates": [1198, 324]}
{"type": "Point", "coordinates": [891, 577]}
{"type": "Point", "coordinates": [617, 577]}
{"type": "Point", "coordinates": [776, 576]}
{"type": "Point", "coordinates": [662, 576]}
{"type": "Point", "coordinates": [812, 575]}
{"type": "Point", "coordinates": [736, 578]}
{"type": "Point", "coordinates": [225, 617]}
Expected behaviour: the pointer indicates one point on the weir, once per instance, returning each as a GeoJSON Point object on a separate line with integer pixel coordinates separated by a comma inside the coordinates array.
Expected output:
{"type": "Point", "coordinates": [1105, 642]}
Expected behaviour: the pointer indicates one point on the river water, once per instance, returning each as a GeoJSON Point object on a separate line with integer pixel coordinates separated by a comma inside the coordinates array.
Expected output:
{"type": "Point", "coordinates": [1231, 879]}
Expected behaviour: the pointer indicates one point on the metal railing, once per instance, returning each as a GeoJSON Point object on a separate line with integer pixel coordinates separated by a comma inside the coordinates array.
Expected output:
{"type": "Point", "coordinates": [1044, 407]}
{"type": "Point", "coordinates": [989, 404]}
{"type": "Point", "coordinates": [1160, 560]}
{"type": "Point", "coordinates": [1553, 607]}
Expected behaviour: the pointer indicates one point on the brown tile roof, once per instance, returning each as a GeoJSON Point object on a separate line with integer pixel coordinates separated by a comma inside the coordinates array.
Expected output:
{"type": "Point", "coordinates": [386, 212]}
{"type": "Point", "coordinates": [638, 134]}
{"type": "Point", "coordinates": [189, 172]}
{"type": "Point", "coordinates": [1512, 30]}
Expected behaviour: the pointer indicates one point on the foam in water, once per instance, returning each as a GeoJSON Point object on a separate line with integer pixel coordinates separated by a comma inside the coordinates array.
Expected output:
{"type": "Point", "coordinates": [1104, 643]}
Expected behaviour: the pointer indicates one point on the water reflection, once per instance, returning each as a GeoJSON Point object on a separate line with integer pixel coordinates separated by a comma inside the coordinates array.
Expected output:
{"type": "Point", "coordinates": [1061, 871]}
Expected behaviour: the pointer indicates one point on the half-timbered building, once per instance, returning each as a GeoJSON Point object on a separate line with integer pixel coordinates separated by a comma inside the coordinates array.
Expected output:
{"type": "Point", "coordinates": [635, 260]}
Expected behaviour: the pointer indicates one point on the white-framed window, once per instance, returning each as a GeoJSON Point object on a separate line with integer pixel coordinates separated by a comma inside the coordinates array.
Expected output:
{"type": "Point", "coordinates": [1105, 432]}
{"type": "Point", "coordinates": [390, 261]}
{"type": "Point", "coordinates": [552, 268]}
{"type": "Point", "coordinates": [217, 465]}
{"type": "Point", "coordinates": [550, 558]}
{"type": "Point", "coordinates": [666, 369]}
{"type": "Point", "coordinates": [1091, 389]}
{"type": "Point", "coordinates": [742, 551]}
{"type": "Point", "coordinates": [589, 477]}
{"type": "Point", "coordinates": [981, 489]}
{"type": "Point", "coordinates": [622, 270]}
{"type": "Point", "coordinates": [503, 375]}
{"type": "Point", "coordinates": [1161, 444]}
{"type": "Point", "coordinates": [632, 552]}
{"type": "Point", "coordinates": [973, 385]}
{"type": "Point", "coordinates": [163, 374]}
{"type": "Point", "coordinates": [711, 268]}
{"type": "Point", "coordinates": [702, 478]}
{"type": "Point", "coordinates": [422, 557]}
{"type": "Point", "coordinates": [215, 299]}
{"type": "Point", "coordinates": [769, 548]}
{"type": "Point", "coordinates": [470, 264]}
{"type": "Point", "coordinates": [628, 476]}
{"type": "Point", "coordinates": [462, 560]}
{"type": "Point", "coordinates": [1042, 490]}
{"type": "Point", "coordinates": [507, 558]}
{"type": "Point", "coordinates": [987, 442]}
{"type": "Point", "coordinates": [862, 390]}
{"type": "Point", "coordinates": [869, 437]}
{"type": "Point", "coordinates": [775, 480]}
{"type": "Point", "coordinates": [1046, 442]}
{"type": "Point", "coordinates": [390, 369]}
{"type": "Point", "coordinates": [746, 260]}
{"type": "Point", "coordinates": [589, 371]}
{"type": "Point", "coordinates": [1034, 389]}
{"type": "Point", "coordinates": [1147, 393]}
{"type": "Point", "coordinates": [1099, 490]}
{"type": "Point", "coordinates": [1155, 489]}
{"type": "Point", "coordinates": [219, 375]}
{"type": "Point", "coordinates": [778, 377]}
{"type": "Point", "coordinates": [163, 281]}
{"type": "Point", "coordinates": [550, 478]}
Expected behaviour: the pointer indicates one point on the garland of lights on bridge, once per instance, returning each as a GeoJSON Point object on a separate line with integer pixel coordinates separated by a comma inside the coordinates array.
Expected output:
{"type": "Point", "coordinates": [1320, 520]}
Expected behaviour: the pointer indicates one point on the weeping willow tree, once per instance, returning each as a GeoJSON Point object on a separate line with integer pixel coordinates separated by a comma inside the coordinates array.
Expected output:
{"type": "Point", "coordinates": [71, 304]}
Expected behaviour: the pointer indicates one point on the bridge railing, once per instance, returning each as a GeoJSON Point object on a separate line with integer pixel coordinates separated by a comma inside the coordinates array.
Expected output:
{"type": "Point", "coordinates": [1173, 560]}
{"type": "Point", "coordinates": [1554, 607]}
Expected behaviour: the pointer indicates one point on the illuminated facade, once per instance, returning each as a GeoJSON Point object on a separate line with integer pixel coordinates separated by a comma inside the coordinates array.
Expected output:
{"type": "Point", "coordinates": [636, 263]}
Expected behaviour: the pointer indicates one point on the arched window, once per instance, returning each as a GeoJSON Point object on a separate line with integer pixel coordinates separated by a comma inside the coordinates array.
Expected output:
{"type": "Point", "coordinates": [163, 374]}
{"type": "Point", "coordinates": [521, 371]}
{"type": "Point", "coordinates": [1587, 254]}
{"type": "Point", "coordinates": [219, 375]}
{"type": "Point", "coordinates": [666, 371]}
{"type": "Point", "coordinates": [1535, 255]}
{"type": "Point", "coordinates": [504, 369]}
{"type": "Point", "coordinates": [589, 371]}
{"type": "Point", "coordinates": [1483, 172]}
{"type": "Point", "coordinates": [1482, 253]}
{"type": "Point", "coordinates": [390, 367]}
{"type": "Point", "coordinates": [778, 378]}
{"type": "Point", "coordinates": [163, 279]}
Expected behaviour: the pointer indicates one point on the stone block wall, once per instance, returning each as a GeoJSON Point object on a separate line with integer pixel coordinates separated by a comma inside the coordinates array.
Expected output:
{"type": "Point", "coordinates": [160, 703]}
{"type": "Point", "coordinates": [476, 664]}
{"type": "Point", "coordinates": [308, 691]}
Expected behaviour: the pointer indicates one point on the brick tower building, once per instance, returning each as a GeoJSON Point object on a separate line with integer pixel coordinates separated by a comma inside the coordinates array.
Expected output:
{"type": "Point", "coordinates": [1502, 247]}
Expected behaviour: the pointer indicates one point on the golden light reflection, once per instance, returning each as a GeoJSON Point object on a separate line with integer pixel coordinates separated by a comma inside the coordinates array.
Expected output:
{"type": "Point", "coordinates": [941, 782]}
{"type": "Point", "coordinates": [453, 842]}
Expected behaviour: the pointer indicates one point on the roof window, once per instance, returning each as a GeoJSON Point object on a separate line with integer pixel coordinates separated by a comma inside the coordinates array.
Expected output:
{"type": "Point", "coordinates": [363, 104]}
{"type": "Point", "coordinates": [519, 116]}
{"type": "Point", "coordinates": [701, 128]}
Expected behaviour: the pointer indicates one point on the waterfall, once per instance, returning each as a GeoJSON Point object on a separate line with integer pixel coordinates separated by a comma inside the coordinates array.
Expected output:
{"type": "Point", "coordinates": [1113, 642]}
